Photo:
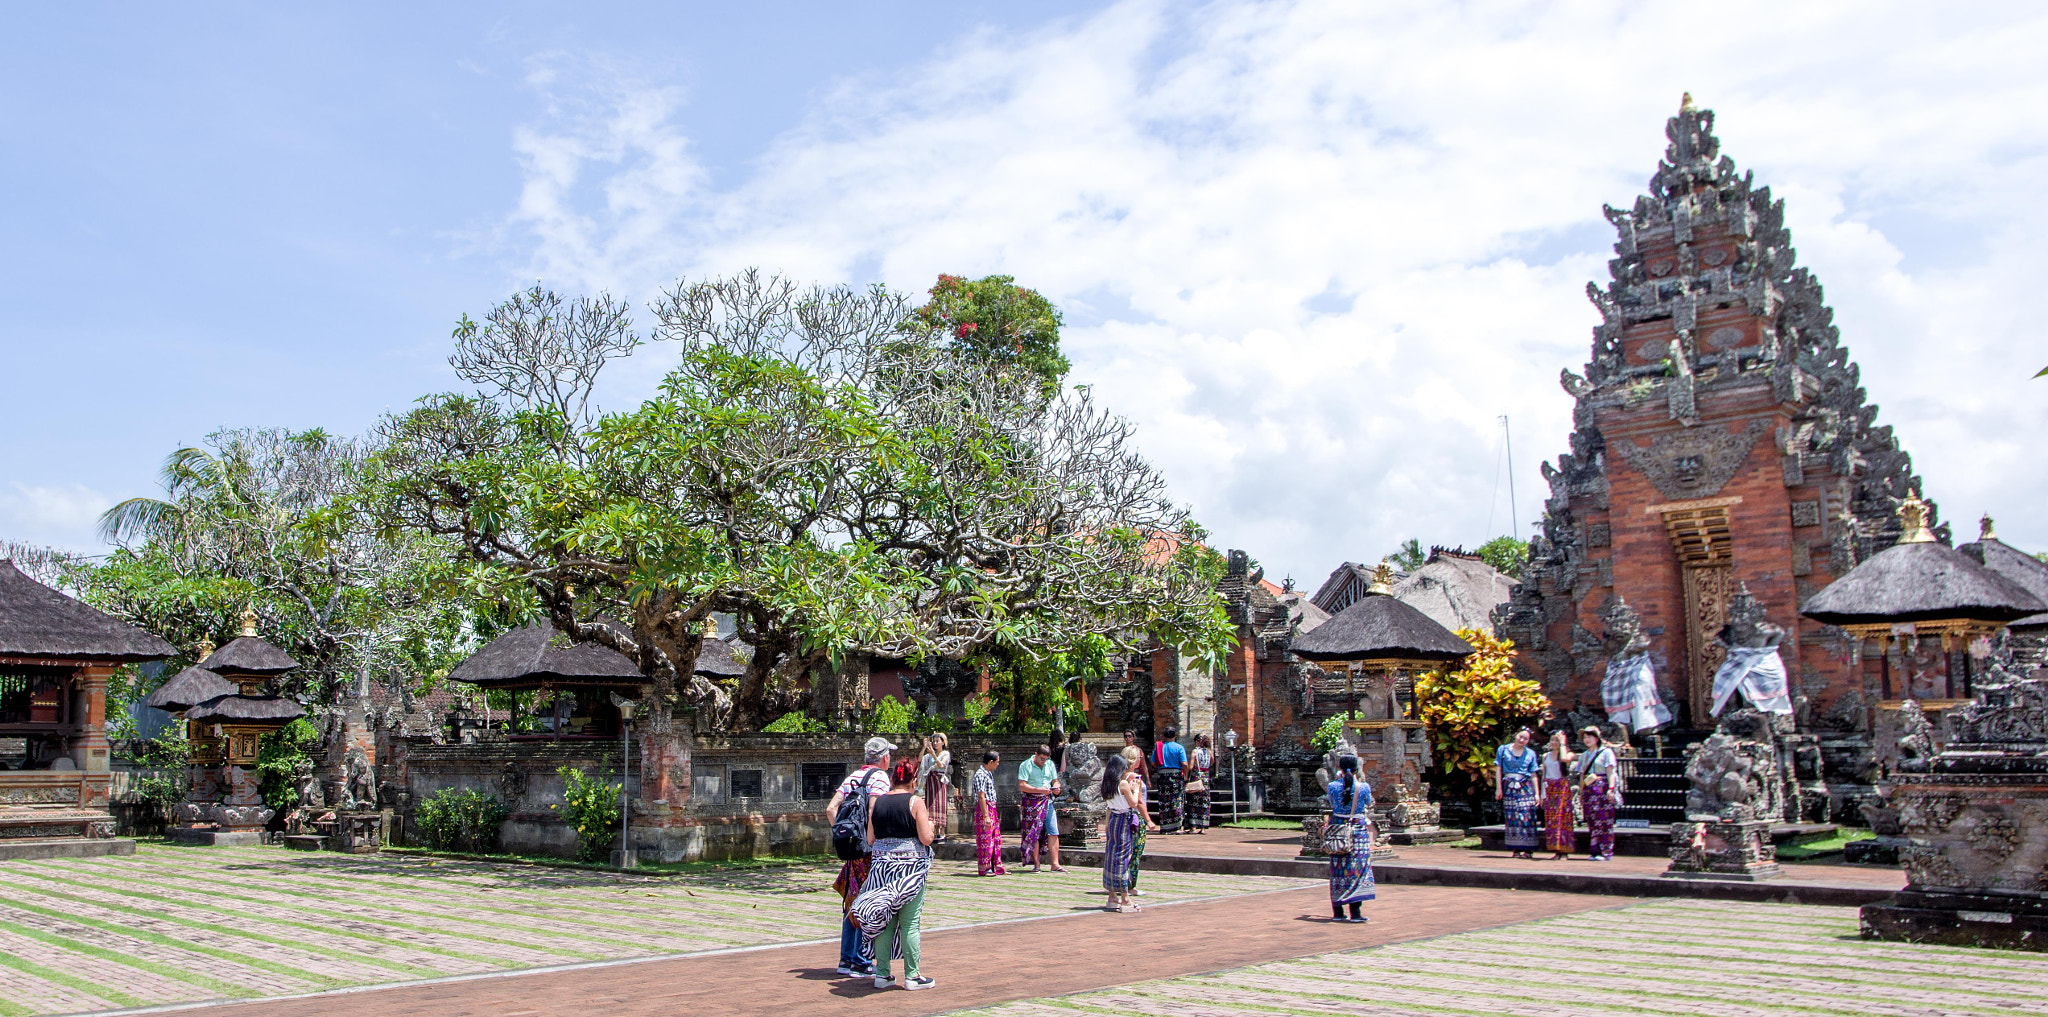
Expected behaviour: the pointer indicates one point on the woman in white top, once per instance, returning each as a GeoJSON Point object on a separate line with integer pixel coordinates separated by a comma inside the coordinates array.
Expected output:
{"type": "Point", "coordinates": [935, 773]}
{"type": "Point", "coordinates": [1599, 773]}
{"type": "Point", "coordinates": [1124, 795]}
{"type": "Point", "coordinates": [1560, 827]}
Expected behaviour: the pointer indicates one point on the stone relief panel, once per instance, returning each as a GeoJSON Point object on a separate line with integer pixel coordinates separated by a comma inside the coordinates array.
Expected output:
{"type": "Point", "coordinates": [1693, 463]}
{"type": "Point", "coordinates": [1806, 513]}
{"type": "Point", "coordinates": [1599, 535]}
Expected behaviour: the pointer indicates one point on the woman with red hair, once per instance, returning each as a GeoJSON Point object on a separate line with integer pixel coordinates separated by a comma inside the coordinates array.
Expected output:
{"type": "Point", "coordinates": [892, 899]}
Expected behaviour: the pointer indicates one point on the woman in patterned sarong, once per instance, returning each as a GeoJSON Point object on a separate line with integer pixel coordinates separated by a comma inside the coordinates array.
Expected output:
{"type": "Point", "coordinates": [1134, 764]}
{"type": "Point", "coordinates": [988, 827]}
{"type": "Point", "coordinates": [1351, 881]}
{"type": "Point", "coordinates": [1560, 827]}
{"type": "Point", "coordinates": [935, 773]}
{"type": "Point", "coordinates": [1201, 769]}
{"type": "Point", "coordinates": [1521, 799]}
{"type": "Point", "coordinates": [1124, 822]}
{"type": "Point", "coordinates": [1599, 773]}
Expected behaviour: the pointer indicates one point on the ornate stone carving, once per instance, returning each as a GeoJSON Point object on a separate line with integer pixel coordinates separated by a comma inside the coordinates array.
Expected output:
{"type": "Point", "coordinates": [1694, 463]}
{"type": "Point", "coordinates": [1806, 513]}
{"type": "Point", "coordinates": [1598, 535]}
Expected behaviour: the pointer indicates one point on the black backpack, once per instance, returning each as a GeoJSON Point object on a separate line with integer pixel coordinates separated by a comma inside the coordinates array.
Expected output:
{"type": "Point", "coordinates": [850, 826]}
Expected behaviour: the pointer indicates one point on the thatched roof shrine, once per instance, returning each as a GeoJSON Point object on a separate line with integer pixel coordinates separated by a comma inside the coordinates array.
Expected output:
{"type": "Point", "coordinates": [1380, 627]}
{"type": "Point", "coordinates": [189, 688]}
{"type": "Point", "coordinates": [538, 656]}
{"type": "Point", "coordinates": [2013, 564]}
{"type": "Point", "coordinates": [36, 621]}
{"type": "Point", "coordinates": [249, 654]}
{"type": "Point", "coordinates": [236, 707]}
{"type": "Point", "coordinates": [1919, 579]}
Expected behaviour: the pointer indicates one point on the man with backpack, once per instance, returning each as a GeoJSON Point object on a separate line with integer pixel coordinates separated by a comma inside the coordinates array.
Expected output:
{"type": "Point", "coordinates": [848, 811]}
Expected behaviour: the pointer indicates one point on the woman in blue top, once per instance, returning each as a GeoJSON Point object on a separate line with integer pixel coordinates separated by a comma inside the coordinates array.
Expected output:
{"type": "Point", "coordinates": [1519, 795]}
{"type": "Point", "coordinates": [1351, 875]}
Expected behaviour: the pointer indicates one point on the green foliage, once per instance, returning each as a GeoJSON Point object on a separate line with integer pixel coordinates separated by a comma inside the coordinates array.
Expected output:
{"type": "Point", "coordinates": [1470, 710]}
{"type": "Point", "coordinates": [997, 319]}
{"type": "Point", "coordinates": [591, 808]}
{"type": "Point", "coordinates": [931, 723]}
{"type": "Point", "coordinates": [978, 709]}
{"type": "Point", "coordinates": [461, 819]}
{"type": "Point", "coordinates": [1411, 555]}
{"type": "Point", "coordinates": [1506, 554]}
{"type": "Point", "coordinates": [170, 750]}
{"type": "Point", "coordinates": [892, 716]}
{"type": "Point", "coordinates": [267, 520]}
{"type": "Point", "coordinates": [162, 792]}
{"type": "Point", "coordinates": [795, 722]}
{"type": "Point", "coordinates": [279, 760]}
{"type": "Point", "coordinates": [1329, 733]}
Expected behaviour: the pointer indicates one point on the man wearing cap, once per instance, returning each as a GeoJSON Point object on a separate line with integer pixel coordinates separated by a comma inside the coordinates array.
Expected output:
{"type": "Point", "coordinates": [874, 772]}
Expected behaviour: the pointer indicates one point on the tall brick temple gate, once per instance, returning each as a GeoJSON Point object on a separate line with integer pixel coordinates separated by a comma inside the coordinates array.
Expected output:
{"type": "Point", "coordinates": [1720, 439]}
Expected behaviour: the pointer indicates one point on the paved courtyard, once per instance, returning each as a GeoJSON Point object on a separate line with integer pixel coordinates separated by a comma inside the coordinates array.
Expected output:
{"type": "Point", "coordinates": [1662, 957]}
{"type": "Point", "coordinates": [174, 924]}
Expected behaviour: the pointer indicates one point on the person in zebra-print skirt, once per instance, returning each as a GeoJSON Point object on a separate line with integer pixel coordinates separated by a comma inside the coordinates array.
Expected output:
{"type": "Point", "coordinates": [891, 902]}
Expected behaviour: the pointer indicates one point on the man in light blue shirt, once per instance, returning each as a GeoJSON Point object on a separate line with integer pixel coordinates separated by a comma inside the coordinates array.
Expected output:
{"type": "Point", "coordinates": [1038, 780]}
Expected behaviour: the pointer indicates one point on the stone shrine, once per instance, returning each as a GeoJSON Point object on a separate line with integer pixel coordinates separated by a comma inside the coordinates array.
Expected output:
{"type": "Point", "coordinates": [1976, 820]}
{"type": "Point", "coordinates": [1720, 431]}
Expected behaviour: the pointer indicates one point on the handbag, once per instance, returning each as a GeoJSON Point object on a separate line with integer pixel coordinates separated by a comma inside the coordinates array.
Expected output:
{"type": "Point", "coordinates": [1342, 838]}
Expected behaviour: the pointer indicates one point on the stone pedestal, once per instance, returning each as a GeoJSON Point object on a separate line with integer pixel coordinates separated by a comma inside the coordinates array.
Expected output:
{"type": "Point", "coordinates": [1976, 818]}
{"type": "Point", "coordinates": [207, 836]}
{"type": "Point", "coordinates": [1723, 849]}
{"type": "Point", "coordinates": [1885, 848]}
{"type": "Point", "coordinates": [1080, 827]}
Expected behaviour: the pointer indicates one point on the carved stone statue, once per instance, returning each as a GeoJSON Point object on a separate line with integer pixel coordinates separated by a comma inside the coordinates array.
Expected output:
{"type": "Point", "coordinates": [1081, 774]}
{"type": "Point", "coordinates": [310, 796]}
{"type": "Point", "coordinates": [1629, 689]}
{"type": "Point", "coordinates": [1753, 666]}
{"type": "Point", "coordinates": [1734, 773]}
{"type": "Point", "coordinates": [359, 786]}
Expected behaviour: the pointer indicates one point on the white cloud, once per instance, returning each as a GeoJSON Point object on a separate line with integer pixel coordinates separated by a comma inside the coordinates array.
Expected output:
{"type": "Point", "coordinates": [65, 516]}
{"type": "Point", "coordinates": [1188, 184]}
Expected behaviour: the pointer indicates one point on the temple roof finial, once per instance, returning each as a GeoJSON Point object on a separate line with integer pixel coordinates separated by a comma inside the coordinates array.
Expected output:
{"type": "Point", "coordinates": [1913, 520]}
{"type": "Point", "coordinates": [1684, 102]}
{"type": "Point", "coordinates": [1985, 530]}
{"type": "Point", "coordinates": [1382, 580]}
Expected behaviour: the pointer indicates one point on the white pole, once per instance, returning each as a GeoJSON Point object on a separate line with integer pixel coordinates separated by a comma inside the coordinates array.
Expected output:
{"type": "Point", "coordinates": [625, 788]}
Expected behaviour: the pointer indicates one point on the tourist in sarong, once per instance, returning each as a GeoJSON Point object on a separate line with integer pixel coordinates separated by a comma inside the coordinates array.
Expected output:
{"type": "Point", "coordinates": [1351, 882]}
{"type": "Point", "coordinates": [1201, 770]}
{"type": "Point", "coordinates": [1134, 768]}
{"type": "Point", "coordinates": [874, 774]}
{"type": "Point", "coordinates": [891, 901]}
{"type": "Point", "coordinates": [1038, 781]}
{"type": "Point", "coordinates": [1123, 823]}
{"type": "Point", "coordinates": [1520, 797]}
{"type": "Point", "coordinates": [1560, 827]}
{"type": "Point", "coordinates": [1144, 767]}
{"type": "Point", "coordinates": [1169, 776]}
{"type": "Point", "coordinates": [988, 827]}
{"type": "Point", "coordinates": [935, 774]}
{"type": "Point", "coordinates": [1599, 774]}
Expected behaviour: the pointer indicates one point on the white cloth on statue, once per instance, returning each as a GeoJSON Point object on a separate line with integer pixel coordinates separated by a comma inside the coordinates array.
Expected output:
{"type": "Point", "coordinates": [1760, 673]}
{"type": "Point", "coordinates": [1630, 693]}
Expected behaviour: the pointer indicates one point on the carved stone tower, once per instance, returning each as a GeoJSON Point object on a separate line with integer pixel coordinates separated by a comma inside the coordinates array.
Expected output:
{"type": "Point", "coordinates": [1720, 437]}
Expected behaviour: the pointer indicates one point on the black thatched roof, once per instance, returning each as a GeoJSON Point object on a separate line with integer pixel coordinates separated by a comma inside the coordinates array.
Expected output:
{"type": "Point", "coordinates": [2016, 565]}
{"type": "Point", "coordinates": [249, 655]}
{"type": "Point", "coordinates": [189, 688]}
{"type": "Point", "coordinates": [36, 621]}
{"type": "Point", "coordinates": [533, 656]}
{"type": "Point", "coordinates": [1920, 581]}
{"type": "Point", "coordinates": [1380, 626]}
{"type": "Point", "coordinates": [235, 706]}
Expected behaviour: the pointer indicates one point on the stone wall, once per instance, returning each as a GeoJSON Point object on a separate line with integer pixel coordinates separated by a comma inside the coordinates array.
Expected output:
{"type": "Point", "coordinates": [747, 795]}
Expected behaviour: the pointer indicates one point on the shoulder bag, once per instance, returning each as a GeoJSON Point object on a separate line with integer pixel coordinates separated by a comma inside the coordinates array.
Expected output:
{"type": "Point", "coordinates": [1342, 838]}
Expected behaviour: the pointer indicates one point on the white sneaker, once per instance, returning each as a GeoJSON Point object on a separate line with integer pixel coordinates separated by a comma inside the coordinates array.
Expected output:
{"type": "Point", "coordinates": [883, 981]}
{"type": "Point", "coordinates": [918, 982]}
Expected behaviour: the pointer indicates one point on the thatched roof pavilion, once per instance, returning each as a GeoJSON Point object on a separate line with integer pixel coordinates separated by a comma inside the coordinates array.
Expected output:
{"type": "Point", "coordinates": [2013, 564]}
{"type": "Point", "coordinates": [538, 656]}
{"type": "Point", "coordinates": [39, 622]}
{"type": "Point", "coordinates": [189, 688]}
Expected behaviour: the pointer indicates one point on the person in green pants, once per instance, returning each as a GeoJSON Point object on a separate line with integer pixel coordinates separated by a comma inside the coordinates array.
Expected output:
{"type": "Point", "coordinates": [892, 899]}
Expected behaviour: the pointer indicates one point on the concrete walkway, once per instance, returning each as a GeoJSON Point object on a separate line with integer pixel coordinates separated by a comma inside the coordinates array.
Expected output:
{"type": "Point", "coordinates": [975, 966]}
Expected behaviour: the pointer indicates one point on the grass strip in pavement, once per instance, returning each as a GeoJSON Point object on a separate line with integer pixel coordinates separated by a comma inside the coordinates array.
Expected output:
{"type": "Point", "coordinates": [69, 981]}
{"type": "Point", "coordinates": [335, 953]}
{"type": "Point", "coordinates": [376, 910]}
{"type": "Point", "coordinates": [116, 957]}
{"type": "Point", "coordinates": [217, 953]}
{"type": "Point", "coordinates": [328, 930]}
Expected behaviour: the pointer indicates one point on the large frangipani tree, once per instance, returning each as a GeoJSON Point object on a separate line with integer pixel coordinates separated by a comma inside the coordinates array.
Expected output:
{"type": "Point", "coordinates": [823, 465]}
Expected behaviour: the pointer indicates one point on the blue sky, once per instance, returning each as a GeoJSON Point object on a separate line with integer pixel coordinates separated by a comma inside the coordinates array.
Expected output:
{"type": "Point", "coordinates": [1313, 250]}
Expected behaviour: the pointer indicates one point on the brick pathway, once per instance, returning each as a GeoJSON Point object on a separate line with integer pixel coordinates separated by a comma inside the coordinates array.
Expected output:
{"type": "Point", "coordinates": [975, 967]}
{"type": "Point", "coordinates": [1661, 958]}
{"type": "Point", "coordinates": [176, 924]}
